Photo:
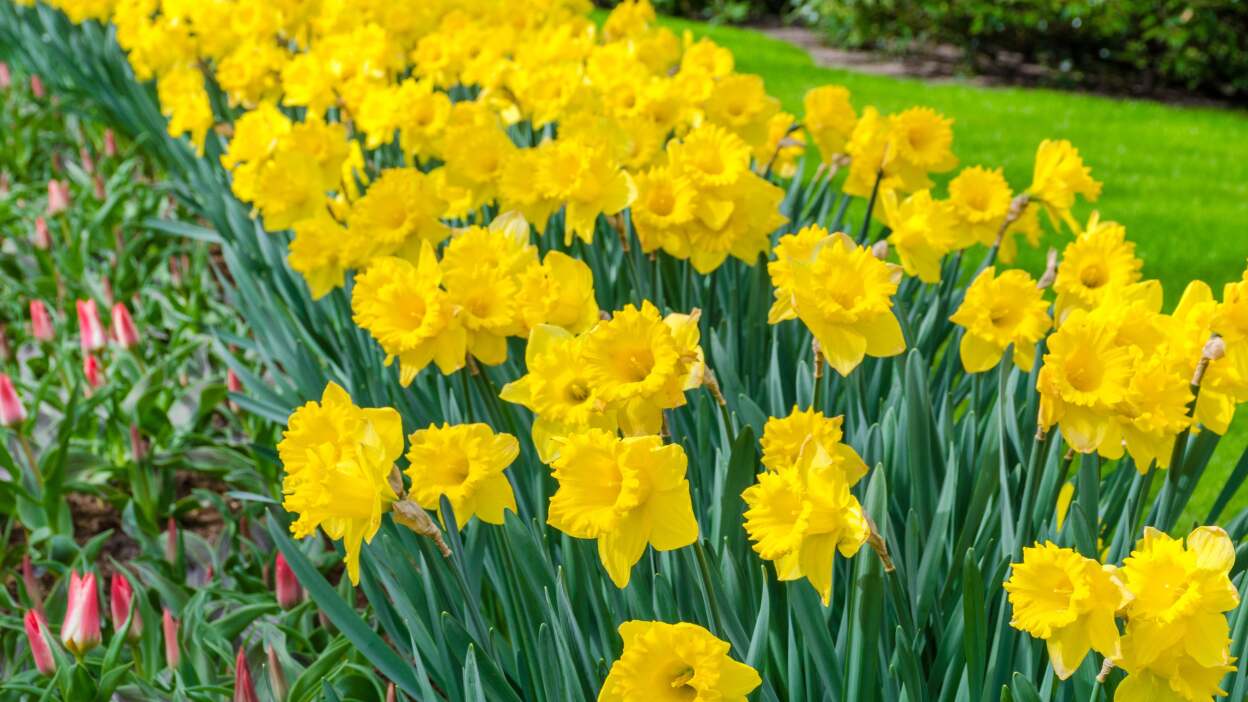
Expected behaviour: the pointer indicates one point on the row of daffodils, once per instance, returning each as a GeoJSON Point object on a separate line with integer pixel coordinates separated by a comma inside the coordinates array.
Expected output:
{"type": "Point", "coordinates": [524, 130]}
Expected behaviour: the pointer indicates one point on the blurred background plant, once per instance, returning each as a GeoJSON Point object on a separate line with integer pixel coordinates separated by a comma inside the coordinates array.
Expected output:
{"type": "Point", "coordinates": [121, 450]}
{"type": "Point", "coordinates": [1126, 46]}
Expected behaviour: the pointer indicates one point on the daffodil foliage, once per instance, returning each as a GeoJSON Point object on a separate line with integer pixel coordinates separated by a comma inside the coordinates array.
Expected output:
{"type": "Point", "coordinates": [611, 380]}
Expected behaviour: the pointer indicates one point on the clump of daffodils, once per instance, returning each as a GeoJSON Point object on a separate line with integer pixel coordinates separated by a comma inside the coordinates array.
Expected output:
{"type": "Point", "coordinates": [1173, 594]}
{"type": "Point", "coordinates": [488, 285]}
{"type": "Point", "coordinates": [801, 512]}
{"type": "Point", "coordinates": [1121, 375]}
{"type": "Point", "coordinates": [619, 374]}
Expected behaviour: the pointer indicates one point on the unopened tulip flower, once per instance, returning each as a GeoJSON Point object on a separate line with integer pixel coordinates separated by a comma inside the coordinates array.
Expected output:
{"type": "Point", "coordinates": [33, 590]}
{"type": "Point", "coordinates": [171, 541]}
{"type": "Point", "coordinates": [93, 372]}
{"type": "Point", "coordinates": [36, 86]}
{"type": "Point", "coordinates": [40, 648]}
{"type": "Point", "coordinates": [80, 632]}
{"type": "Point", "coordinates": [173, 653]}
{"type": "Point", "coordinates": [232, 382]}
{"type": "Point", "coordinates": [12, 412]}
{"type": "Point", "coordinates": [289, 593]}
{"type": "Point", "coordinates": [40, 321]}
{"type": "Point", "coordinates": [244, 688]}
{"type": "Point", "coordinates": [98, 189]}
{"type": "Point", "coordinates": [58, 196]}
{"type": "Point", "coordinates": [43, 238]}
{"type": "Point", "coordinates": [124, 332]}
{"type": "Point", "coordinates": [90, 331]}
{"type": "Point", "coordinates": [110, 143]}
{"type": "Point", "coordinates": [120, 603]}
{"type": "Point", "coordinates": [277, 677]}
{"type": "Point", "coordinates": [6, 78]}
{"type": "Point", "coordinates": [84, 157]}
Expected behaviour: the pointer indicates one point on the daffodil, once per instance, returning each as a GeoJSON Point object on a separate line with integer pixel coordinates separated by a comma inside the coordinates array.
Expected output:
{"type": "Point", "coordinates": [400, 209]}
{"type": "Point", "coordinates": [1177, 643]}
{"type": "Point", "coordinates": [1086, 373]}
{"type": "Point", "coordinates": [464, 463]}
{"type": "Point", "coordinates": [643, 363]}
{"type": "Point", "coordinates": [1097, 267]}
{"type": "Point", "coordinates": [338, 458]}
{"type": "Point", "coordinates": [784, 439]}
{"type": "Point", "coordinates": [626, 493]}
{"type": "Point", "coordinates": [998, 312]}
{"type": "Point", "coordinates": [923, 231]}
{"type": "Point", "coordinates": [841, 292]}
{"type": "Point", "coordinates": [1059, 176]}
{"type": "Point", "coordinates": [829, 118]}
{"type": "Point", "coordinates": [801, 517]}
{"type": "Point", "coordinates": [981, 199]}
{"type": "Point", "coordinates": [558, 390]}
{"type": "Point", "coordinates": [679, 662]}
{"type": "Point", "coordinates": [559, 292]}
{"type": "Point", "coordinates": [1067, 600]}
{"type": "Point", "coordinates": [402, 306]}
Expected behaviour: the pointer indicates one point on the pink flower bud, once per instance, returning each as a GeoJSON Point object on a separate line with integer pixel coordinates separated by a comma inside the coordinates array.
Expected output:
{"type": "Point", "coordinates": [171, 541]}
{"type": "Point", "coordinates": [36, 87]}
{"type": "Point", "coordinates": [277, 677]}
{"type": "Point", "coordinates": [11, 411]}
{"type": "Point", "coordinates": [232, 382]}
{"type": "Point", "coordinates": [138, 447]}
{"type": "Point", "coordinates": [289, 593]}
{"type": "Point", "coordinates": [58, 196]}
{"type": "Point", "coordinates": [43, 238]}
{"type": "Point", "coordinates": [173, 653]}
{"type": "Point", "coordinates": [84, 157]}
{"type": "Point", "coordinates": [80, 632]}
{"type": "Point", "coordinates": [33, 590]}
{"type": "Point", "coordinates": [90, 331]}
{"type": "Point", "coordinates": [110, 143]}
{"type": "Point", "coordinates": [244, 688]}
{"type": "Point", "coordinates": [40, 321]}
{"type": "Point", "coordinates": [98, 189]}
{"type": "Point", "coordinates": [93, 372]}
{"type": "Point", "coordinates": [120, 603]}
{"type": "Point", "coordinates": [6, 78]}
{"type": "Point", "coordinates": [37, 634]}
{"type": "Point", "coordinates": [124, 332]}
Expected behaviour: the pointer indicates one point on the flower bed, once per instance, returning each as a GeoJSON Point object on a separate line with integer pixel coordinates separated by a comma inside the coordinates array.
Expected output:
{"type": "Point", "coordinates": [601, 396]}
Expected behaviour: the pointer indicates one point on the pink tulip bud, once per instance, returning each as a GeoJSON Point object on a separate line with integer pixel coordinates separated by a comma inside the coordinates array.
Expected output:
{"type": "Point", "coordinates": [120, 603]}
{"type": "Point", "coordinates": [58, 196]}
{"type": "Point", "coordinates": [110, 143]}
{"type": "Point", "coordinates": [43, 238]}
{"type": "Point", "coordinates": [36, 87]}
{"type": "Point", "coordinates": [138, 447]}
{"type": "Point", "coordinates": [392, 695]}
{"type": "Point", "coordinates": [6, 78]}
{"type": "Point", "coordinates": [232, 382]}
{"type": "Point", "coordinates": [12, 413]}
{"type": "Point", "coordinates": [37, 634]}
{"type": "Point", "coordinates": [171, 541]}
{"type": "Point", "coordinates": [93, 372]}
{"type": "Point", "coordinates": [33, 590]}
{"type": "Point", "coordinates": [289, 593]}
{"type": "Point", "coordinates": [80, 632]}
{"type": "Point", "coordinates": [124, 332]}
{"type": "Point", "coordinates": [244, 688]}
{"type": "Point", "coordinates": [277, 677]}
{"type": "Point", "coordinates": [84, 157]}
{"type": "Point", "coordinates": [98, 189]}
{"type": "Point", "coordinates": [90, 331]}
{"type": "Point", "coordinates": [173, 652]}
{"type": "Point", "coordinates": [40, 321]}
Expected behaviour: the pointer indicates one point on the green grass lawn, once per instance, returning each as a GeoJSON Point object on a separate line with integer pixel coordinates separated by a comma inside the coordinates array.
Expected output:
{"type": "Point", "coordinates": [1175, 176]}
